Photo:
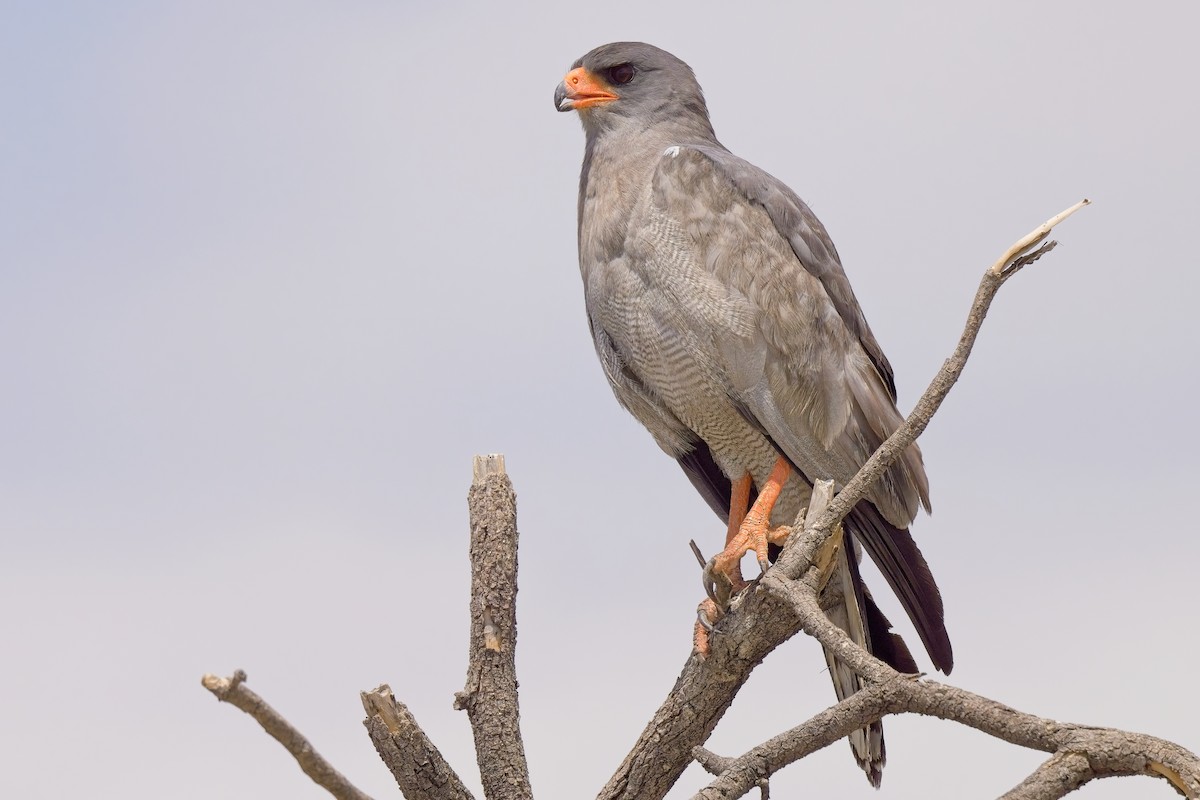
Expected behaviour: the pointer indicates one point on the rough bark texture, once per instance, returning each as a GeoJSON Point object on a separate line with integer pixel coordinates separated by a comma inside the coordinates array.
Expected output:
{"type": "Point", "coordinates": [417, 765]}
{"type": "Point", "coordinates": [700, 697]}
{"type": "Point", "coordinates": [1107, 752]}
{"type": "Point", "coordinates": [754, 626]}
{"type": "Point", "coordinates": [490, 696]}
{"type": "Point", "coordinates": [1058, 777]}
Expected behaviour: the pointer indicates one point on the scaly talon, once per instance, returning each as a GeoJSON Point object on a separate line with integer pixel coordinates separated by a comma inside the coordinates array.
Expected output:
{"type": "Point", "coordinates": [709, 580]}
{"type": "Point", "coordinates": [719, 584]}
{"type": "Point", "coordinates": [725, 570]}
{"type": "Point", "coordinates": [722, 576]}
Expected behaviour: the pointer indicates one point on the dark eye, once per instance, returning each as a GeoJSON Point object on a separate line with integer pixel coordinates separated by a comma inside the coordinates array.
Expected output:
{"type": "Point", "coordinates": [621, 74]}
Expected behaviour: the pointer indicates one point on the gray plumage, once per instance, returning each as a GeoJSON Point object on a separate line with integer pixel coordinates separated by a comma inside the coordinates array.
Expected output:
{"type": "Point", "coordinates": [726, 325]}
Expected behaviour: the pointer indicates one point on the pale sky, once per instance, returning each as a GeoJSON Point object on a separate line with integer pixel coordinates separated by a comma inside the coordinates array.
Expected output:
{"type": "Point", "coordinates": [271, 273]}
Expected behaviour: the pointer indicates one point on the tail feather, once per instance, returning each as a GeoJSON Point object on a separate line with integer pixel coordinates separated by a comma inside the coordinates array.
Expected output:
{"type": "Point", "coordinates": [850, 606]}
{"type": "Point", "coordinates": [901, 562]}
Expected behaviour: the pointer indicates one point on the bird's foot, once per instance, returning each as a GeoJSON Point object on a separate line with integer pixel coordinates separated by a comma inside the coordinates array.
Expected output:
{"type": "Point", "coordinates": [723, 573]}
{"type": "Point", "coordinates": [722, 580]}
{"type": "Point", "coordinates": [722, 588]}
{"type": "Point", "coordinates": [748, 531]}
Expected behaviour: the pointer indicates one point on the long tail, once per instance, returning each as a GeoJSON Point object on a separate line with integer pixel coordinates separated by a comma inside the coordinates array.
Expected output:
{"type": "Point", "coordinates": [849, 605]}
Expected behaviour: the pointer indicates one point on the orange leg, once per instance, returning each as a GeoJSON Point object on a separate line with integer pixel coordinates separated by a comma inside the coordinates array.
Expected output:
{"type": "Point", "coordinates": [739, 503]}
{"type": "Point", "coordinates": [755, 531]}
{"type": "Point", "coordinates": [747, 531]}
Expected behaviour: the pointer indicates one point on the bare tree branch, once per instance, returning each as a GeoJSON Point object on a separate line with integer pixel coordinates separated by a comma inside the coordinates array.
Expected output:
{"type": "Point", "coordinates": [1035, 237]}
{"type": "Point", "coordinates": [418, 766]}
{"type": "Point", "coordinates": [233, 691]}
{"type": "Point", "coordinates": [739, 775]}
{"type": "Point", "coordinates": [1016, 256]}
{"type": "Point", "coordinates": [490, 696]}
{"type": "Point", "coordinates": [783, 602]}
{"type": "Point", "coordinates": [1108, 752]}
{"type": "Point", "coordinates": [755, 625]}
{"type": "Point", "coordinates": [1062, 774]}
{"type": "Point", "coordinates": [713, 763]}
{"type": "Point", "coordinates": [1105, 752]}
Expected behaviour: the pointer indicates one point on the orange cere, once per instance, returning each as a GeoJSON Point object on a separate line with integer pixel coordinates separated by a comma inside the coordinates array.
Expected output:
{"type": "Point", "coordinates": [585, 89]}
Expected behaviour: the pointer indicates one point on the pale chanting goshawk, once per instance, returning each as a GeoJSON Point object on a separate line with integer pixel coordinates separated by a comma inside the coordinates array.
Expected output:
{"type": "Point", "coordinates": [725, 324]}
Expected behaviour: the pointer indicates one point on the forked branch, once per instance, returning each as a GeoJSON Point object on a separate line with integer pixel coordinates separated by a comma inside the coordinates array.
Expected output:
{"type": "Point", "coordinates": [757, 623]}
{"type": "Point", "coordinates": [1081, 753]}
{"type": "Point", "coordinates": [784, 602]}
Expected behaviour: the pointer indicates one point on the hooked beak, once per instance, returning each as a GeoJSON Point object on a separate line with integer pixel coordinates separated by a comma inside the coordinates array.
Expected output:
{"type": "Point", "coordinates": [581, 89]}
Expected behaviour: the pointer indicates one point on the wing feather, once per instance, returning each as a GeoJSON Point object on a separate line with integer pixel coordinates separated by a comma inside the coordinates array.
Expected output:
{"type": "Point", "coordinates": [810, 373]}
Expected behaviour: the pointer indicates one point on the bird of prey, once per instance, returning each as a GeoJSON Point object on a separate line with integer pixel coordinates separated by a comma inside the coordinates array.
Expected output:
{"type": "Point", "coordinates": [726, 325]}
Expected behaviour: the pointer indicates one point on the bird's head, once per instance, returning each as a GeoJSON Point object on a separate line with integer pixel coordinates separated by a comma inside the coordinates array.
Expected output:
{"type": "Point", "coordinates": [631, 82]}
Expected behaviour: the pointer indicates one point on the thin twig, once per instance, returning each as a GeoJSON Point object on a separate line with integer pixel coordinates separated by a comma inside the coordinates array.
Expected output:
{"type": "Point", "coordinates": [233, 690]}
{"type": "Point", "coordinates": [1032, 238]}
{"type": "Point", "coordinates": [947, 376]}
{"type": "Point", "coordinates": [490, 695]}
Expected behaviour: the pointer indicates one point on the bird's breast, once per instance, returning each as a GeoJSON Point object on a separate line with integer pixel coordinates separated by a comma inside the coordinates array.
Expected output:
{"type": "Point", "coordinates": [672, 322]}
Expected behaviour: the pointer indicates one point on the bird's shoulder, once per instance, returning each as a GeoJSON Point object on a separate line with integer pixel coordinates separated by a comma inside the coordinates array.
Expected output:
{"type": "Point", "coordinates": [718, 198]}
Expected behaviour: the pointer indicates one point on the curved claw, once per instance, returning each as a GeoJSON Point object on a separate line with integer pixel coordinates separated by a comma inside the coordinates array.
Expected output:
{"type": "Point", "coordinates": [708, 582]}
{"type": "Point", "coordinates": [716, 584]}
{"type": "Point", "coordinates": [703, 621]}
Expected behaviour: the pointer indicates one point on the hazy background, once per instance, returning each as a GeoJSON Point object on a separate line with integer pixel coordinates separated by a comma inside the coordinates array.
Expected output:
{"type": "Point", "coordinates": [272, 272]}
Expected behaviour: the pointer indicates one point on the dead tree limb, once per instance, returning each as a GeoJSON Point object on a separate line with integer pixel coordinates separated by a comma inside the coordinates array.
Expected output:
{"type": "Point", "coordinates": [414, 761]}
{"type": "Point", "coordinates": [795, 577]}
{"type": "Point", "coordinates": [233, 691]}
{"type": "Point", "coordinates": [490, 696]}
{"type": "Point", "coordinates": [1024, 251]}
{"type": "Point", "coordinates": [1062, 774]}
{"type": "Point", "coordinates": [1107, 752]}
{"type": "Point", "coordinates": [781, 604]}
